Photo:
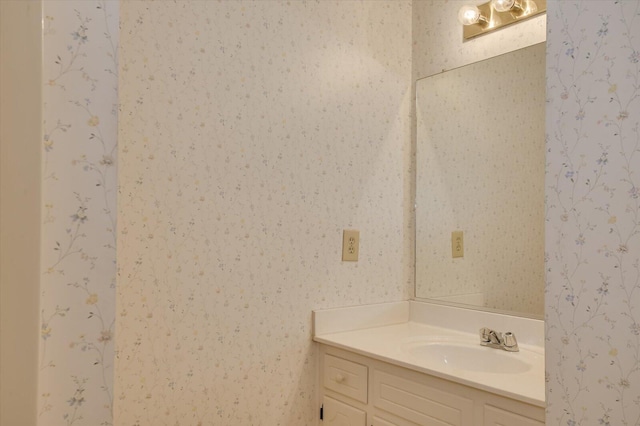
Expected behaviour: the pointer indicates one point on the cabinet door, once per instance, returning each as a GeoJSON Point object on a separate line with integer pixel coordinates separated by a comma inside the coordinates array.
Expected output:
{"type": "Point", "coordinates": [419, 403]}
{"type": "Point", "coordinates": [336, 413]}
{"type": "Point", "coordinates": [494, 416]}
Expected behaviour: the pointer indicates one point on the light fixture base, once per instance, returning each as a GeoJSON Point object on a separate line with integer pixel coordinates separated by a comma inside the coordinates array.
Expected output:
{"type": "Point", "coordinates": [496, 20]}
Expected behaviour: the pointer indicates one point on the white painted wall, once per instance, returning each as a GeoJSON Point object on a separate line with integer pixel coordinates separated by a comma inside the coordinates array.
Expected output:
{"type": "Point", "coordinates": [20, 101]}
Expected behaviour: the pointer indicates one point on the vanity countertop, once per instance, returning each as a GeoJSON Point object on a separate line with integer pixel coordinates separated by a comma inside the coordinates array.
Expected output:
{"type": "Point", "coordinates": [393, 343]}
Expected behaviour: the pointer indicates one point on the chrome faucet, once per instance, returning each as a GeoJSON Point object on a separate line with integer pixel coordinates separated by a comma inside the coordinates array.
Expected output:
{"type": "Point", "coordinates": [494, 339]}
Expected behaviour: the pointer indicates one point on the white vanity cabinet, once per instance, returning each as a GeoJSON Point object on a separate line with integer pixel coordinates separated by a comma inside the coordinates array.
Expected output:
{"type": "Point", "coordinates": [360, 391]}
{"type": "Point", "coordinates": [347, 382]}
{"type": "Point", "coordinates": [336, 413]}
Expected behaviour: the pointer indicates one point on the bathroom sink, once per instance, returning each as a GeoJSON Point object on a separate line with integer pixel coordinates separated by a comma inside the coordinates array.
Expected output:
{"type": "Point", "coordinates": [467, 356]}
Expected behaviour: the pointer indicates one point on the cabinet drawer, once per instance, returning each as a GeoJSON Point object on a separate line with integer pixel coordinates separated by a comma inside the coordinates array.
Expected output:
{"type": "Point", "coordinates": [420, 403]}
{"type": "Point", "coordinates": [345, 377]}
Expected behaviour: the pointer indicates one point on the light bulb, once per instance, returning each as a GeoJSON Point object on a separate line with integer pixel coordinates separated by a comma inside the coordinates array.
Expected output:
{"type": "Point", "coordinates": [502, 5]}
{"type": "Point", "coordinates": [469, 15]}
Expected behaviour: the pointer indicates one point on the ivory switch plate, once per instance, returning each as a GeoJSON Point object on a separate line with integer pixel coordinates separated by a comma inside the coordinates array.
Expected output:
{"type": "Point", "coordinates": [350, 245]}
{"type": "Point", "coordinates": [457, 244]}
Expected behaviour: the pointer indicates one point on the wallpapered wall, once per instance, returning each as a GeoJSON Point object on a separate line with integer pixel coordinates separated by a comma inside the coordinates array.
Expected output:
{"type": "Point", "coordinates": [78, 212]}
{"type": "Point", "coordinates": [438, 44]}
{"type": "Point", "coordinates": [252, 134]}
{"type": "Point", "coordinates": [203, 171]}
{"type": "Point", "coordinates": [477, 175]}
{"type": "Point", "coordinates": [592, 232]}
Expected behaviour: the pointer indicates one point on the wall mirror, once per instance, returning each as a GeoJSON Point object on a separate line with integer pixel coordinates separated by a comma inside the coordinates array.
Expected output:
{"type": "Point", "coordinates": [480, 170]}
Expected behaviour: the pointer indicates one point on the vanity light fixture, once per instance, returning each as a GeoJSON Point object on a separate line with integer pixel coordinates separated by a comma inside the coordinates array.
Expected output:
{"type": "Point", "coordinates": [494, 14]}
{"type": "Point", "coordinates": [470, 15]}
{"type": "Point", "coordinates": [505, 5]}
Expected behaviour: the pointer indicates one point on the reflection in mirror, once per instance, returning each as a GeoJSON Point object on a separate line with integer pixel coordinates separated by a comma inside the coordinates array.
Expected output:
{"type": "Point", "coordinates": [480, 170]}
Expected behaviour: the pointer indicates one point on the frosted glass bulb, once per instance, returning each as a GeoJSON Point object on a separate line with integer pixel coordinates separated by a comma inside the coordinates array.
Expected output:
{"type": "Point", "coordinates": [502, 5]}
{"type": "Point", "coordinates": [469, 15]}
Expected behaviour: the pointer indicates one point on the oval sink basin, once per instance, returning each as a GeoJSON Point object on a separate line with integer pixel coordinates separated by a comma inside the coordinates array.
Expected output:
{"type": "Point", "coordinates": [464, 356]}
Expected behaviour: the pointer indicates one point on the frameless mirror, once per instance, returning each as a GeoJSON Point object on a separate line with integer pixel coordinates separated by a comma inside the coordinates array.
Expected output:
{"type": "Point", "coordinates": [480, 170]}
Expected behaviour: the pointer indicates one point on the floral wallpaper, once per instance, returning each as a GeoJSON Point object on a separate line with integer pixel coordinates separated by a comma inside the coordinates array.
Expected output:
{"type": "Point", "coordinates": [592, 231]}
{"type": "Point", "coordinates": [80, 74]}
{"type": "Point", "coordinates": [251, 134]}
{"type": "Point", "coordinates": [252, 130]}
{"type": "Point", "coordinates": [477, 175]}
{"type": "Point", "coordinates": [438, 43]}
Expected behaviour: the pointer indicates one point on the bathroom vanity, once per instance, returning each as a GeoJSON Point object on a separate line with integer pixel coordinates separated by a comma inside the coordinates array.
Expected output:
{"type": "Point", "coordinates": [395, 364]}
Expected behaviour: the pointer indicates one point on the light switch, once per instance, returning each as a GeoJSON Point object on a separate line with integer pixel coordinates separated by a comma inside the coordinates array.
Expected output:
{"type": "Point", "coordinates": [457, 244]}
{"type": "Point", "coordinates": [350, 245]}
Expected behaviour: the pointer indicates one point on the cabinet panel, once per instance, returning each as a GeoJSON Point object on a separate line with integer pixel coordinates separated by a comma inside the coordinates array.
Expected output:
{"type": "Point", "coordinates": [380, 421]}
{"type": "Point", "coordinates": [336, 413]}
{"type": "Point", "coordinates": [494, 416]}
{"type": "Point", "coordinates": [420, 403]}
{"type": "Point", "coordinates": [377, 421]}
{"type": "Point", "coordinates": [345, 377]}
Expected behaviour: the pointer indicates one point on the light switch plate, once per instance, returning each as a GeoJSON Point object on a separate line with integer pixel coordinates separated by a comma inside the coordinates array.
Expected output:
{"type": "Point", "coordinates": [350, 245]}
{"type": "Point", "coordinates": [457, 244]}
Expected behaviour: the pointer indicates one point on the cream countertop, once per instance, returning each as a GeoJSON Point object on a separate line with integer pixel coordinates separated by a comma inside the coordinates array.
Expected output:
{"type": "Point", "coordinates": [385, 332]}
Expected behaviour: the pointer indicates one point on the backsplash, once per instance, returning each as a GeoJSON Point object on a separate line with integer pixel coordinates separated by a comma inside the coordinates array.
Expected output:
{"type": "Point", "coordinates": [592, 235]}
{"type": "Point", "coordinates": [78, 212]}
{"type": "Point", "coordinates": [252, 134]}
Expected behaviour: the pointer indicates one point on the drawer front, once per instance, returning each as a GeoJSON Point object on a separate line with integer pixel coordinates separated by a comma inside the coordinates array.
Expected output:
{"type": "Point", "coordinates": [345, 377]}
{"type": "Point", "coordinates": [336, 413]}
{"type": "Point", "coordinates": [494, 416]}
{"type": "Point", "coordinates": [420, 403]}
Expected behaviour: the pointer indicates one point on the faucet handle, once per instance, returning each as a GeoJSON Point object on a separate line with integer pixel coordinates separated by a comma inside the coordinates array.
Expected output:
{"type": "Point", "coordinates": [510, 342]}
{"type": "Point", "coordinates": [485, 334]}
